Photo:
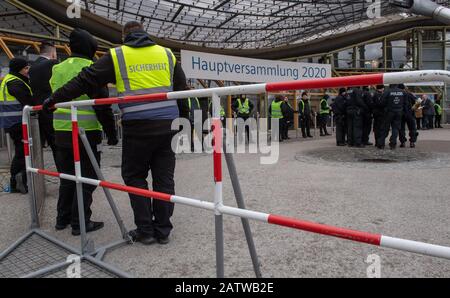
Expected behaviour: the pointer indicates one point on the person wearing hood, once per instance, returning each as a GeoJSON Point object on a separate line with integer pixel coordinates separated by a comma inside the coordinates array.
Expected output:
{"type": "Point", "coordinates": [140, 67]}
{"type": "Point", "coordinates": [92, 119]}
{"type": "Point", "coordinates": [15, 93]}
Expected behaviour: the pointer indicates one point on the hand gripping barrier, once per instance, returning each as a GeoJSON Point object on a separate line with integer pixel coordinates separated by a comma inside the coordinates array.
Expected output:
{"type": "Point", "coordinates": [217, 206]}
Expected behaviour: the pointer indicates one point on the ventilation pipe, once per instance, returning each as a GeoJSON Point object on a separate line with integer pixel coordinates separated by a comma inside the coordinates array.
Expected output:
{"type": "Point", "coordinates": [426, 8]}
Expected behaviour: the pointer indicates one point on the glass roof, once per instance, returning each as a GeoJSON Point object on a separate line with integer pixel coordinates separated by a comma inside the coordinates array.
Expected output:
{"type": "Point", "coordinates": [230, 24]}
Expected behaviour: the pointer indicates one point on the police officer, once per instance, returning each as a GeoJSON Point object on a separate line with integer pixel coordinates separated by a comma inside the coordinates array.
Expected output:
{"type": "Point", "coordinates": [379, 116]}
{"type": "Point", "coordinates": [339, 107]}
{"type": "Point", "coordinates": [140, 67]}
{"type": "Point", "coordinates": [305, 115]}
{"type": "Point", "coordinates": [396, 100]}
{"type": "Point", "coordinates": [355, 108]}
{"type": "Point", "coordinates": [243, 107]}
{"type": "Point", "coordinates": [15, 93]}
{"type": "Point", "coordinates": [408, 119]}
{"type": "Point", "coordinates": [367, 116]}
{"type": "Point", "coordinates": [324, 115]}
{"type": "Point", "coordinates": [93, 120]}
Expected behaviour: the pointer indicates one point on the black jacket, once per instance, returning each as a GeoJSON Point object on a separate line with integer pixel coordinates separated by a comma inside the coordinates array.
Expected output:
{"type": "Point", "coordinates": [355, 101]}
{"type": "Point", "coordinates": [339, 105]}
{"type": "Point", "coordinates": [20, 91]}
{"type": "Point", "coordinates": [396, 100]}
{"type": "Point", "coordinates": [379, 104]}
{"type": "Point", "coordinates": [40, 75]}
{"type": "Point", "coordinates": [235, 108]}
{"type": "Point", "coordinates": [102, 72]}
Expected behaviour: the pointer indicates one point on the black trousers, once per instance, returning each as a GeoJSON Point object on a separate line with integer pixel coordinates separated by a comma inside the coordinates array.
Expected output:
{"type": "Point", "coordinates": [284, 128]}
{"type": "Point", "coordinates": [367, 128]}
{"type": "Point", "coordinates": [393, 120]}
{"type": "Point", "coordinates": [240, 131]}
{"type": "Point", "coordinates": [305, 122]}
{"type": "Point", "coordinates": [18, 162]}
{"type": "Point", "coordinates": [139, 156]}
{"type": "Point", "coordinates": [437, 121]}
{"type": "Point", "coordinates": [67, 201]}
{"type": "Point", "coordinates": [379, 128]}
{"type": "Point", "coordinates": [323, 121]}
{"type": "Point", "coordinates": [408, 120]}
{"type": "Point", "coordinates": [47, 133]}
{"type": "Point", "coordinates": [418, 123]}
{"type": "Point", "coordinates": [354, 128]}
{"type": "Point", "coordinates": [341, 129]}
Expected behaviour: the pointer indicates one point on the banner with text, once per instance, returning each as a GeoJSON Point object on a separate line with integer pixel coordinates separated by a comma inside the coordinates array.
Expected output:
{"type": "Point", "coordinates": [198, 65]}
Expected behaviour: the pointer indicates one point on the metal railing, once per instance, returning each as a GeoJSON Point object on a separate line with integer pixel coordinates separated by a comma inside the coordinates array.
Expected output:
{"type": "Point", "coordinates": [217, 206]}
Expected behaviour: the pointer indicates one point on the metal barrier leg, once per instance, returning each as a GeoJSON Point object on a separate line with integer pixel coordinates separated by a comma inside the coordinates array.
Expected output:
{"type": "Point", "coordinates": [100, 176]}
{"type": "Point", "coordinates": [8, 146]}
{"type": "Point", "coordinates": [218, 196]}
{"type": "Point", "coordinates": [240, 202]}
{"type": "Point", "coordinates": [86, 246]}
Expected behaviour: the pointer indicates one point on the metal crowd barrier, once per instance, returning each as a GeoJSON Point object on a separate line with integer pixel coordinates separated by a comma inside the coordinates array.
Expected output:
{"type": "Point", "coordinates": [217, 206]}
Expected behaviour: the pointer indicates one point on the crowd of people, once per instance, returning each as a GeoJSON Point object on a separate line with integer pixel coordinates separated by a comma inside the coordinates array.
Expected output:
{"type": "Point", "coordinates": [358, 112]}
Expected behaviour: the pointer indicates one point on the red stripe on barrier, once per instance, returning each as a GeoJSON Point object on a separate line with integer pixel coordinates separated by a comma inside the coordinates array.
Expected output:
{"type": "Point", "coordinates": [374, 239]}
{"type": "Point", "coordinates": [129, 99]}
{"type": "Point", "coordinates": [49, 173]}
{"type": "Point", "coordinates": [137, 191]}
{"type": "Point", "coordinates": [76, 147]}
{"type": "Point", "coordinates": [359, 80]}
{"type": "Point", "coordinates": [36, 108]}
{"type": "Point", "coordinates": [26, 145]}
{"type": "Point", "coordinates": [217, 155]}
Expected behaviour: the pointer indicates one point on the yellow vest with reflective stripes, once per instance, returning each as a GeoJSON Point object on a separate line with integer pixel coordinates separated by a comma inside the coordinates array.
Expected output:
{"type": "Point", "coordinates": [276, 109]}
{"type": "Point", "coordinates": [62, 119]}
{"type": "Point", "coordinates": [145, 70]}
{"type": "Point", "coordinates": [10, 107]}
{"type": "Point", "coordinates": [244, 109]}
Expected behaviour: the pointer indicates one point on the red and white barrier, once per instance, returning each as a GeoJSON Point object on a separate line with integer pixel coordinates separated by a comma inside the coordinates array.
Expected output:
{"type": "Point", "coordinates": [217, 206]}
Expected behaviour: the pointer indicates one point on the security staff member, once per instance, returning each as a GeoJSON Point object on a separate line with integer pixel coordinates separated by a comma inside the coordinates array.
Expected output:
{"type": "Point", "coordinates": [243, 107]}
{"type": "Point", "coordinates": [367, 116]}
{"type": "Point", "coordinates": [15, 93]}
{"type": "Point", "coordinates": [379, 116]}
{"type": "Point", "coordinates": [408, 119]}
{"type": "Point", "coordinates": [222, 112]}
{"type": "Point", "coordinates": [324, 115]}
{"type": "Point", "coordinates": [140, 67]}
{"type": "Point", "coordinates": [288, 116]}
{"type": "Point", "coordinates": [275, 111]}
{"type": "Point", "coordinates": [438, 114]}
{"type": "Point", "coordinates": [83, 47]}
{"type": "Point", "coordinates": [305, 115]}
{"type": "Point", "coordinates": [396, 100]}
{"type": "Point", "coordinates": [339, 107]}
{"type": "Point", "coordinates": [40, 74]}
{"type": "Point", "coordinates": [355, 108]}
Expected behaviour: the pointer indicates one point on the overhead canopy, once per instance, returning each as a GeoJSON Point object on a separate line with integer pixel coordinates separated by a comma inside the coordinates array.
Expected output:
{"type": "Point", "coordinates": [254, 28]}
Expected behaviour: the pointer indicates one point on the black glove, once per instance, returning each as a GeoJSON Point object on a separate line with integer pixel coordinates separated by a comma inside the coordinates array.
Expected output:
{"type": "Point", "coordinates": [113, 141]}
{"type": "Point", "coordinates": [48, 105]}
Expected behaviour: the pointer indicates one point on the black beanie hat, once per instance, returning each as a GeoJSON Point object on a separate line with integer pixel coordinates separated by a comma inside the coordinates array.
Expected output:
{"type": "Point", "coordinates": [82, 43]}
{"type": "Point", "coordinates": [17, 64]}
{"type": "Point", "coordinates": [342, 90]}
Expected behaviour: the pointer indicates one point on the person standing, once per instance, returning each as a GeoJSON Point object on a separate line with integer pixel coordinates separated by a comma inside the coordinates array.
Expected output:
{"type": "Point", "coordinates": [305, 115]}
{"type": "Point", "coordinates": [147, 139]}
{"type": "Point", "coordinates": [93, 120]}
{"type": "Point", "coordinates": [189, 108]}
{"type": "Point", "coordinates": [428, 112]}
{"type": "Point", "coordinates": [379, 117]}
{"type": "Point", "coordinates": [40, 74]}
{"type": "Point", "coordinates": [339, 107]}
{"type": "Point", "coordinates": [408, 120]}
{"type": "Point", "coordinates": [396, 100]}
{"type": "Point", "coordinates": [288, 116]}
{"type": "Point", "coordinates": [15, 93]}
{"type": "Point", "coordinates": [438, 114]}
{"type": "Point", "coordinates": [276, 113]}
{"type": "Point", "coordinates": [418, 113]}
{"type": "Point", "coordinates": [324, 115]}
{"type": "Point", "coordinates": [367, 116]}
{"type": "Point", "coordinates": [243, 107]}
{"type": "Point", "coordinates": [355, 108]}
